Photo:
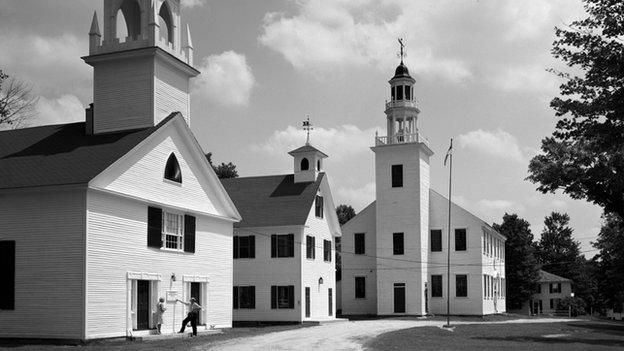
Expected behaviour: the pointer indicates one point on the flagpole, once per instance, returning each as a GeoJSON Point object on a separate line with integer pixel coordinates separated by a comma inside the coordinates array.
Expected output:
{"type": "Point", "coordinates": [449, 154]}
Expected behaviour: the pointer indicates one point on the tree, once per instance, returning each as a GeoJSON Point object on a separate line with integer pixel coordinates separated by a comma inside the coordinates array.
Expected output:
{"type": "Point", "coordinates": [345, 213]}
{"type": "Point", "coordinates": [610, 262]}
{"type": "Point", "coordinates": [585, 155]}
{"type": "Point", "coordinates": [17, 103]}
{"type": "Point", "coordinates": [224, 170]}
{"type": "Point", "coordinates": [521, 267]}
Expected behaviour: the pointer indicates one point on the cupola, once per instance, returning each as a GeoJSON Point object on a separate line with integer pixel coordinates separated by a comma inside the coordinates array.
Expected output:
{"type": "Point", "coordinates": [308, 160]}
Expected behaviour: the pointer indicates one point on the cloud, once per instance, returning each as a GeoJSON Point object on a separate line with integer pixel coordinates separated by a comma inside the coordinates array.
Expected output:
{"type": "Point", "coordinates": [340, 142]}
{"type": "Point", "coordinates": [193, 3]}
{"type": "Point", "coordinates": [498, 143]}
{"type": "Point", "coordinates": [225, 79]}
{"type": "Point", "coordinates": [358, 197]}
{"type": "Point", "coordinates": [64, 109]}
{"type": "Point", "coordinates": [525, 78]}
{"type": "Point", "coordinates": [489, 210]}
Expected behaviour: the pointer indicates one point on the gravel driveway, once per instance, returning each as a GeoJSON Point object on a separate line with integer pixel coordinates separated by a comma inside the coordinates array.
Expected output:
{"type": "Point", "coordinates": [340, 336]}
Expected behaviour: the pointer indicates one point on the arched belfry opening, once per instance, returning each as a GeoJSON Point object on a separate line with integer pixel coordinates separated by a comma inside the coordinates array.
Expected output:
{"type": "Point", "coordinates": [305, 164]}
{"type": "Point", "coordinates": [128, 20]}
{"type": "Point", "coordinates": [165, 20]}
{"type": "Point", "coordinates": [172, 169]}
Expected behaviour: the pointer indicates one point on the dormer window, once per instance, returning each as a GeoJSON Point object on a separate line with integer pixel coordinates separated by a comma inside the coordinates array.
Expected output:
{"type": "Point", "coordinates": [172, 169]}
{"type": "Point", "coordinates": [305, 164]}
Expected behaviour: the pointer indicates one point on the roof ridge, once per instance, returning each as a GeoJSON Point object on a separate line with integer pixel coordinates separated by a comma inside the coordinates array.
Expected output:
{"type": "Point", "coordinates": [43, 126]}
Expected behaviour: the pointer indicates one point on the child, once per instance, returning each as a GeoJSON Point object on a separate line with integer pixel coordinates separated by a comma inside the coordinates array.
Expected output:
{"type": "Point", "coordinates": [158, 316]}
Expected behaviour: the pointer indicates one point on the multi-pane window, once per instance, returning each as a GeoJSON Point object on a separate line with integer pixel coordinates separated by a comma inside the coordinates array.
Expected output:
{"type": "Point", "coordinates": [436, 240]}
{"type": "Point", "coordinates": [397, 244]}
{"type": "Point", "coordinates": [461, 285]}
{"type": "Point", "coordinates": [326, 250]}
{"type": "Point", "coordinates": [318, 206]}
{"type": "Point", "coordinates": [173, 231]}
{"type": "Point", "coordinates": [244, 297]}
{"type": "Point", "coordinates": [283, 245]}
{"type": "Point", "coordinates": [460, 239]}
{"type": "Point", "coordinates": [360, 287]}
{"type": "Point", "coordinates": [244, 246]}
{"type": "Point", "coordinates": [310, 249]}
{"type": "Point", "coordinates": [359, 243]}
{"type": "Point", "coordinates": [555, 288]}
{"type": "Point", "coordinates": [397, 176]}
{"type": "Point", "coordinates": [436, 286]}
{"type": "Point", "coordinates": [283, 296]}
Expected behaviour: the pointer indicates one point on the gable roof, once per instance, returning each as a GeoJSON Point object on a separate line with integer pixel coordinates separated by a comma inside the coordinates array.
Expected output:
{"type": "Point", "coordinates": [546, 277]}
{"type": "Point", "coordinates": [62, 154]}
{"type": "Point", "coordinates": [275, 200]}
{"type": "Point", "coordinates": [305, 149]}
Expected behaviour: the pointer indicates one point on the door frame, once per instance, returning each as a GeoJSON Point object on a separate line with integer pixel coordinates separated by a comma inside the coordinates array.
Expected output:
{"type": "Point", "coordinates": [308, 302]}
{"type": "Point", "coordinates": [203, 290]}
{"type": "Point", "coordinates": [131, 297]}
{"type": "Point", "coordinates": [400, 286]}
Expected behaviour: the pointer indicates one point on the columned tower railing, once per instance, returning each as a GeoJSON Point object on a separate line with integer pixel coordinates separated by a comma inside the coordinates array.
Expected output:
{"type": "Point", "coordinates": [400, 138]}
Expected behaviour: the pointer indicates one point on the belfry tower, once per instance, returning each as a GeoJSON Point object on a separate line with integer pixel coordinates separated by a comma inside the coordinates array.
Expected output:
{"type": "Point", "coordinates": [141, 78]}
{"type": "Point", "coordinates": [402, 192]}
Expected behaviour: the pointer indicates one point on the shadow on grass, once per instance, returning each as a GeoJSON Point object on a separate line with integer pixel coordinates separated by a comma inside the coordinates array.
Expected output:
{"type": "Point", "coordinates": [534, 339]}
{"type": "Point", "coordinates": [605, 327]}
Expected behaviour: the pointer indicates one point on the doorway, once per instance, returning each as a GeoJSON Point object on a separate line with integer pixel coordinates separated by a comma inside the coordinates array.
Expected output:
{"type": "Point", "coordinates": [196, 293]}
{"type": "Point", "coordinates": [307, 301]}
{"type": "Point", "coordinates": [399, 298]}
{"type": "Point", "coordinates": [330, 302]}
{"type": "Point", "coordinates": [143, 304]}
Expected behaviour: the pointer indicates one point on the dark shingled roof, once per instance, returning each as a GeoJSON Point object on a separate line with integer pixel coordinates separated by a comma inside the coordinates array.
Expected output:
{"type": "Point", "coordinates": [546, 277]}
{"type": "Point", "coordinates": [271, 200]}
{"type": "Point", "coordinates": [62, 154]}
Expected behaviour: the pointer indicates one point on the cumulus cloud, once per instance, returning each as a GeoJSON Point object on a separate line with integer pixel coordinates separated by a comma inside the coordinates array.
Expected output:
{"type": "Point", "coordinates": [192, 3]}
{"type": "Point", "coordinates": [525, 78]}
{"type": "Point", "coordinates": [64, 109]}
{"type": "Point", "coordinates": [340, 142]}
{"type": "Point", "coordinates": [489, 210]}
{"type": "Point", "coordinates": [358, 197]}
{"type": "Point", "coordinates": [498, 143]}
{"type": "Point", "coordinates": [225, 79]}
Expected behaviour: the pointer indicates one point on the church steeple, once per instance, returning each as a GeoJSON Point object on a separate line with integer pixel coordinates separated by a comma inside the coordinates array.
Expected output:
{"type": "Point", "coordinates": [308, 160]}
{"type": "Point", "coordinates": [141, 74]}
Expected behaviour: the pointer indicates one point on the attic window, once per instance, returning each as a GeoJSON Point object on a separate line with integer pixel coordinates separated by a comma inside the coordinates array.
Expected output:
{"type": "Point", "coordinates": [172, 169]}
{"type": "Point", "coordinates": [318, 165]}
{"type": "Point", "coordinates": [305, 164]}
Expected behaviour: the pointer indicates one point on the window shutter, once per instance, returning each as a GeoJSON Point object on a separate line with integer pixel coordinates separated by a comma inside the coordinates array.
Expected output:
{"type": "Point", "coordinates": [273, 297]}
{"type": "Point", "coordinates": [252, 290]}
{"type": "Point", "coordinates": [7, 275]}
{"type": "Point", "coordinates": [274, 245]}
{"type": "Point", "coordinates": [235, 296]}
{"type": "Point", "coordinates": [189, 233]}
{"type": "Point", "coordinates": [291, 245]}
{"type": "Point", "coordinates": [236, 246]}
{"type": "Point", "coordinates": [313, 246]}
{"type": "Point", "coordinates": [154, 227]}
{"type": "Point", "coordinates": [252, 249]}
{"type": "Point", "coordinates": [291, 296]}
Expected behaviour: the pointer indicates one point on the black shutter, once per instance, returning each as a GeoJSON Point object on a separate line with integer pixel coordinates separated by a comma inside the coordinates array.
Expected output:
{"type": "Point", "coordinates": [274, 245]}
{"type": "Point", "coordinates": [154, 227]}
{"type": "Point", "coordinates": [189, 233]}
{"type": "Point", "coordinates": [236, 246]}
{"type": "Point", "coordinates": [7, 275]}
{"type": "Point", "coordinates": [252, 248]}
{"type": "Point", "coordinates": [313, 246]}
{"type": "Point", "coordinates": [235, 296]}
{"type": "Point", "coordinates": [252, 291]}
{"type": "Point", "coordinates": [273, 297]}
{"type": "Point", "coordinates": [290, 242]}
{"type": "Point", "coordinates": [291, 296]}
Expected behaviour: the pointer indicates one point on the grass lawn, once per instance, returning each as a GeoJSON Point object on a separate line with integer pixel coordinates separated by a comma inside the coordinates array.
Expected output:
{"type": "Point", "coordinates": [582, 335]}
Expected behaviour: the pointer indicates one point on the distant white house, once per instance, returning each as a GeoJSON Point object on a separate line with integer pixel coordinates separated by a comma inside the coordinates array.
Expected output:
{"type": "Point", "coordinates": [394, 252]}
{"type": "Point", "coordinates": [100, 219]}
{"type": "Point", "coordinates": [551, 290]}
{"type": "Point", "coordinates": [284, 248]}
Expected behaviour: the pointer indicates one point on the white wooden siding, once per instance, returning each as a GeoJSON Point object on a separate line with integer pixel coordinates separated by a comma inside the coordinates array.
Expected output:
{"type": "Point", "coordinates": [48, 228]}
{"type": "Point", "coordinates": [171, 92]}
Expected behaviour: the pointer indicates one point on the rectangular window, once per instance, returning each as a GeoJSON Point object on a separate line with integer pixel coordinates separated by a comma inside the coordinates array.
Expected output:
{"type": "Point", "coordinates": [392, 93]}
{"type": "Point", "coordinates": [436, 240]}
{"type": "Point", "coordinates": [173, 231]}
{"type": "Point", "coordinates": [360, 287]}
{"type": "Point", "coordinates": [461, 285]}
{"type": "Point", "coordinates": [552, 304]}
{"type": "Point", "coordinates": [310, 248]}
{"type": "Point", "coordinates": [460, 239]}
{"type": "Point", "coordinates": [283, 245]}
{"type": "Point", "coordinates": [7, 275]}
{"type": "Point", "coordinates": [397, 244]}
{"type": "Point", "coordinates": [407, 92]}
{"type": "Point", "coordinates": [399, 92]}
{"type": "Point", "coordinates": [318, 206]}
{"type": "Point", "coordinates": [484, 286]}
{"type": "Point", "coordinates": [539, 288]}
{"type": "Point", "coordinates": [436, 286]}
{"type": "Point", "coordinates": [359, 243]}
{"type": "Point", "coordinates": [397, 176]}
{"type": "Point", "coordinates": [555, 288]}
{"type": "Point", "coordinates": [244, 297]}
{"type": "Point", "coordinates": [245, 246]}
{"type": "Point", "coordinates": [283, 297]}
{"type": "Point", "coordinates": [327, 250]}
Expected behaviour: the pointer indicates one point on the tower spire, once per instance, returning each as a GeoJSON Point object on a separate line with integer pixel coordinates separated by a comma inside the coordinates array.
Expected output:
{"type": "Point", "coordinates": [307, 126]}
{"type": "Point", "coordinates": [402, 54]}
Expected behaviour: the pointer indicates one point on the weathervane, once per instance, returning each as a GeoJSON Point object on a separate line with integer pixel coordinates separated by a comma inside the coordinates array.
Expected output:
{"type": "Point", "coordinates": [402, 54]}
{"type": "Point", "coordinates": [307, 126]}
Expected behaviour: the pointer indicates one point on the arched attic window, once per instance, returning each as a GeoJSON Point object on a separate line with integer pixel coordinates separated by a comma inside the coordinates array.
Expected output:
{"type": "Point", "coordinates": [128, 20]}
{"type": "Point", "coordinates": [305, 164]}
{"type": "Point", "coordinates": [165, 20]}
{"type": "Point", "coordinates": [172, 169]}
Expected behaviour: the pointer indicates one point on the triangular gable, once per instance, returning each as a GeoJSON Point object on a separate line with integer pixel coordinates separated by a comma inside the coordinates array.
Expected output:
{"type": "Point", "coordinates": [362, 215]}
{"type": "Point", "coordinates": [330, 207]}
{"type": "Point", "coordinates": [139, 174]}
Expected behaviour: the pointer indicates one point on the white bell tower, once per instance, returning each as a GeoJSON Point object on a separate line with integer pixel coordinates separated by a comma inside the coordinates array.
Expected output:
{"type": "Point", "coordinates": [308, 160]}
{"type": "Point", "coordinates": [141, 78]}
{"type": "Point", "coordinates": [402, 193]}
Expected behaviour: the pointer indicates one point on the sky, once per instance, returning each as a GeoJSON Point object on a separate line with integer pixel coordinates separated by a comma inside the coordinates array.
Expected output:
{"type": "Point", "coordinates": [481, 78]}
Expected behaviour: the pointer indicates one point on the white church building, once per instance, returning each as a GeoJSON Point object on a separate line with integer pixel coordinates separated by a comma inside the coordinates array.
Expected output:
{"type": "Point", "coordinates": [394, 252]}
{"type": "Point", "coordinates": [99, 219]}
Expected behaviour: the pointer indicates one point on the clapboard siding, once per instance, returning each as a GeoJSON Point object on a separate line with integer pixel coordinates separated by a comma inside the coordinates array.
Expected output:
{"type": "Point", "coordinates": [264, 271]}
{"type": "Point", "coordinates": [48, 228]}
{"type": "Point", "coordinates": [171, 92]}
{"type": "Point", "coordinates": [117, 244]}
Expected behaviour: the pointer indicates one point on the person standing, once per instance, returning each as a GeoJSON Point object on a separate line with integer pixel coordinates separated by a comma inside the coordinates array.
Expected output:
{"type": "Point", "coordinates": [158, 316]}
{"type": "Point", "coordinates": [192, 316]}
